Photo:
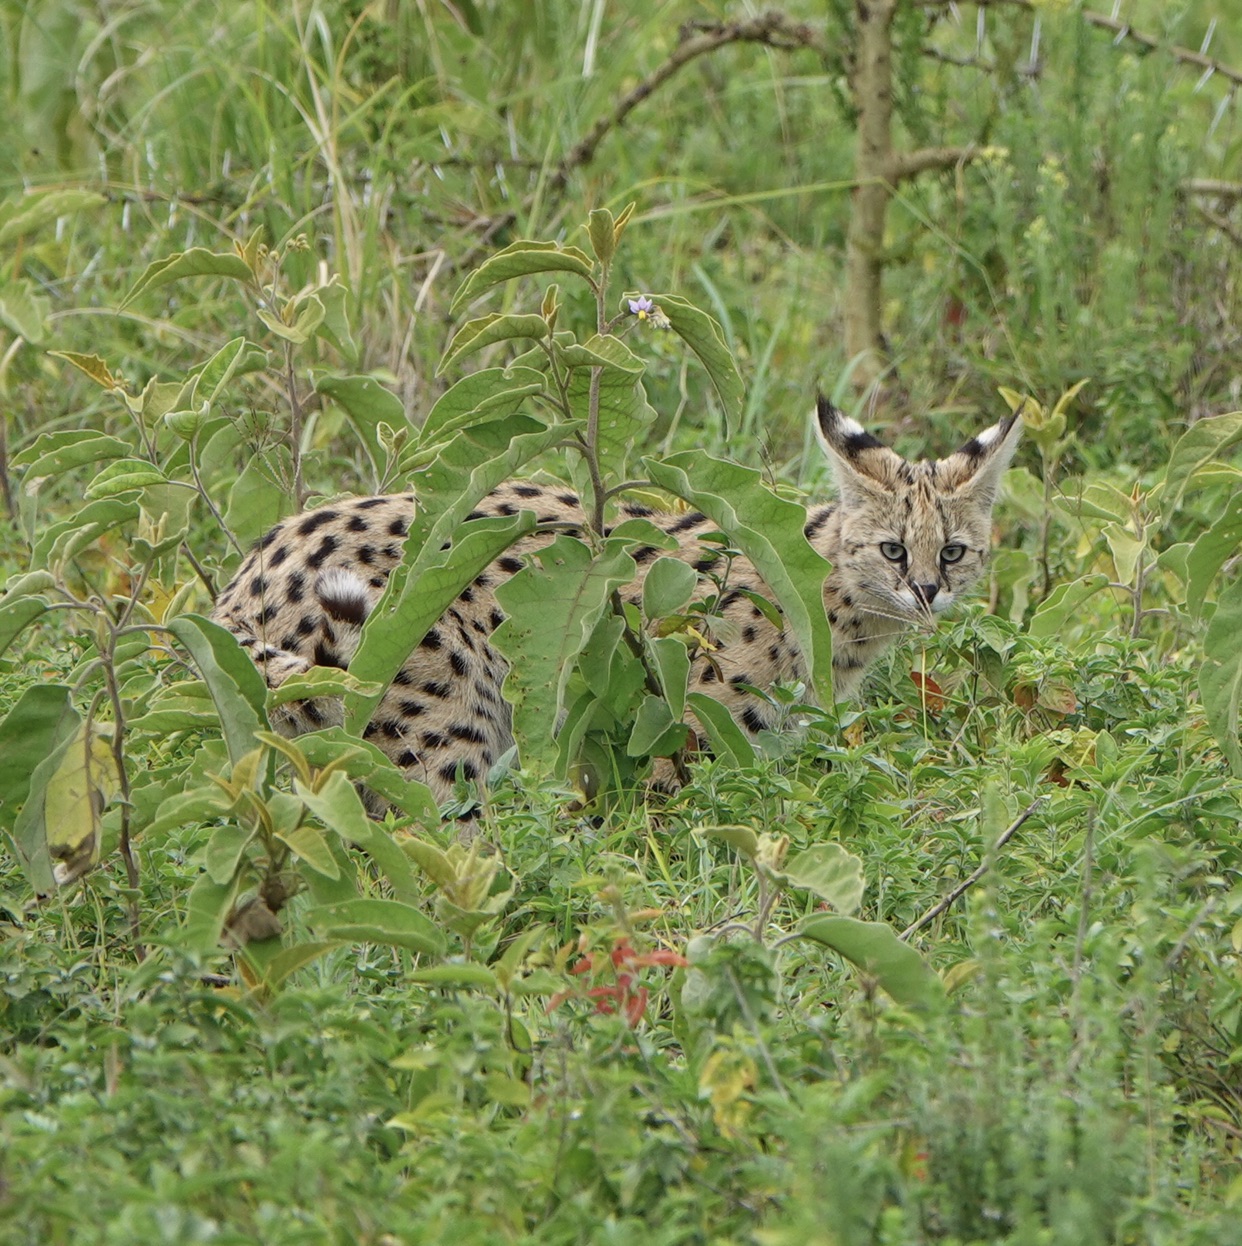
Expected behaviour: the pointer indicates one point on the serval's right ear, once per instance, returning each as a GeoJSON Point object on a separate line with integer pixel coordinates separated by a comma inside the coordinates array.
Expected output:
{"type": "Point", "coordinates": [862, 465]}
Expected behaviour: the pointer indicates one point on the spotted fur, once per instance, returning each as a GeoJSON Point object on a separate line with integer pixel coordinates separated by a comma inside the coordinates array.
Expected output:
{"type": "Point", "coordinates": [302, 595]}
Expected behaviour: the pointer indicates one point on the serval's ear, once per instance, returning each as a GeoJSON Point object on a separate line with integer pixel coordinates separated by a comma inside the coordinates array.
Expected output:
{"type": "Point", "coordinates": [976, 469]}
{"type": "Point", "coordinates": [862, 465]}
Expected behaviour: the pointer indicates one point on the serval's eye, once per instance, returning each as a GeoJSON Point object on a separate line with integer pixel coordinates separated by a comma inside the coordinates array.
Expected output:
{"type": "Point", "coordinates": [953, 553]}
{"type": "Point", "coordinates": [894, 551]}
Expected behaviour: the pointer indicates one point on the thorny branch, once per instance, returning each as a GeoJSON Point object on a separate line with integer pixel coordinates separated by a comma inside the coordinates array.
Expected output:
{"type": "Point", "coordinates": [697, 39]}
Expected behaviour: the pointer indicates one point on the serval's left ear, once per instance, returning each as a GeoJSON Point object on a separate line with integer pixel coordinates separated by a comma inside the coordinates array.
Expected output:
{"type": "Point", "coordinates": [976, 469]}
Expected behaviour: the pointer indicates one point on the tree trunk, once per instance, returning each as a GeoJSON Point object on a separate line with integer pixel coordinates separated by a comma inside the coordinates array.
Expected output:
{"type": "Point", "coordinates": [871, 84]}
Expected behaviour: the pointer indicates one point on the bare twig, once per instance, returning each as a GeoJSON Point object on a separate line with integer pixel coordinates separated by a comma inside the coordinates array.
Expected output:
{"type": "Point", "coordinates": [697, 39]}
{"type": "Point", "coordinates": [964, 886]}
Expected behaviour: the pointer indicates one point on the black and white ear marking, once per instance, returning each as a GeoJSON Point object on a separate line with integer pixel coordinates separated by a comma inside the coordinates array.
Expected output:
{"type": "Point", "coordinates": [988, 456]}
{"type": "Point", "coordinates": [344, 596]}
{"type": "Point", "coordinates": [990, 439]}
{"type": "Point", "coordinates": [838, 434]}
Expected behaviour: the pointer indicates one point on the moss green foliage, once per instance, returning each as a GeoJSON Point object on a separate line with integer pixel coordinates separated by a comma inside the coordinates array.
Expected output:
{"type": "Point", "coordinates": [960, 967]}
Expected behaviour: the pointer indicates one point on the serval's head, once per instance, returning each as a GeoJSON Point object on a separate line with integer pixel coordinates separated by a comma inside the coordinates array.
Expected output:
{"type": "Point", "coordinates": [913, 536]}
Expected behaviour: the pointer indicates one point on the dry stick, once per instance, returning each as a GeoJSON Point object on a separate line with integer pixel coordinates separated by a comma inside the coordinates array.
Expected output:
{"type": "Point", "coordinates": [965, 885]}
{"type": "Point", "coordinates": [773, 29]}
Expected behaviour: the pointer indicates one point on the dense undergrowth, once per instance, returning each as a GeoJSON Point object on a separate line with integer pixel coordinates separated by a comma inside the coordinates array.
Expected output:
{"type": "Point", "coordinates": [617, 1028]}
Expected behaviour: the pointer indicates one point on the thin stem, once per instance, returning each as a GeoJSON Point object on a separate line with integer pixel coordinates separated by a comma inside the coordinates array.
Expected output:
{"type": "Point", "coordinates": [295, 427]}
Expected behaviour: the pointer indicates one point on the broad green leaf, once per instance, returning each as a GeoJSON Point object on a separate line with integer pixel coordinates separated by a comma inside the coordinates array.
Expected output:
{"type": "Point", "coordinates": [393, 631]}
{"type": "Point", "coordinates": [880, 954]}
{"type": "Point", "coordinates": [338, 806]}
{"type": "Point", "coordinates": [740, 838]}
{"type": "Point", "coordinates": [602, 231]}
{"type": "Point", "coordinates": [290, 959]}
{"type": "Point", "coordinates": [74, 799]}
{"type": "Point", "coordinates": [207, 909]}
{"type": "Point", "coordinates": [1126, 549]}
{"type": "Point", "coordinates": [419, 591]}
{"type": "Point", "coordinates": [235, 358]}
{"type": "Point", "coordinates": [301, 316]}
{"type": "Point", "coordinates": [92, 366]}
{"type": "Point", "coordinates": [672, 661]}
{"type": "Point", "coordinates": [123, 476]}
{"type": "Point", "coordinates": [308, 844]}
{"type": "Point", "coordinates": [702, 334]}
{"type": "Point", "coordinates": [38, 208]}
{"type": "Point", "coordinates": [463, 975]}
{"type": "Point", "coordinates": [487, 330]}
{"type": "Point", "coordinates": [320, 681]}
{"type": "Point", "coordinates": [768, 530]}
{"type": "Point", "coordinates": [829, 872]}
{"type": "Point", "coordinates": [1211, 551]}
{"type": "Point", "coordinates": [523, 259]}
{"type": "Point", "coordinates": [196, 262]}
{"type": "Point", "coordinates": [656, 733]}
{"type": "Point", "coordinates": [1220, 676]}
{"type": "Point", "coordinates": [378, 921]}
{"type": "Point", "coordinates": [553, 608]}
{"type": "Point", "coordinates": [670, 583]}
{"type": "Point", "coordinates": [727, 739]}
{"type": "Point", "coordinates": [335, 324]}
{"type": "Point", "coordinates": [37, 733]}
{"type": "Point", "coordinates": [236, 687]}
{"type": "Point", "coordinates": [624, 412]}
{"type": "Point", "coordinates": [1202, 442]}
{"type": "Point", "coordinates": [255, 504]}
{"type": "Point", "coordinates": [16, 616]}
{"type": "Point", "coordinates": [224, 852]}
{"type": "Point", "coordinates": [1096, 499]}
{"type": "Point", "coordinates": [54, 453]}
{"type": "Point", "coordinates": [1062, 603]}
{"type": "Point", "coordinates": [488, 394]}
{"type": "Point", "coordinates": [367, 404]}
{"type": "Point", "coordinates": [23, 312]}
{"type": "Point", "coordinates": [59, 542]}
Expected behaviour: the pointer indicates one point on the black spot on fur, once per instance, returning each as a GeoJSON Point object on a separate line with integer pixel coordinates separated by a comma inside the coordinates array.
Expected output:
{"type": "Point", "coordinates": [482, 580]}
{"type": "Point", "coordinates": [358, 524]}
{"type": "Point", "coordinates": [752, 719]}
{"type": "Point", "coordinates": [466, 595]}
{"type": "Point", "coordinates": [327, 547]}
{"type": "Point", "coordinates": [644, 553]}
{"type": "Point", "coordinates": [463, 731]}
{"type": "Point", "coordinates": [289, 641]}
{"type": "Point", "coordinates": [707, 562]}
{"type": "Point", "coordinates": [403, 679]}
{"type": "Point", "coordinates": [749, 634]}
{"type": "Point", "coordinates": [468, 769]}
{"type": "Point", "coordinates": [366, 555]}
{"type": "Point", "coordinates": [267, 614]}
{"type": "Point", "coordinates": [295, 587]}
{"type": "Point", "coordinates": [433, 740]}
{"type": "Point", "coordinates": [278, 556]}
{"type": "Point", "coordinates": [637, 511]}
{"type": "Point", "coordinates": [506, 508]}
{"type": "Point", "coordinates": [413, 709]}
{"type": "Point", "coordinates": [398, 527]}
{"type": "Point", "coordinates": [432, 640]}
{"type": "Point", "coordinates": [316, 520]}
{"type": "Point", "coordinates": [368, 504]}
{"type": "Point", "coordinates": [475, 515]}
{"type": "Point", "coordinates": [686, 522]}
{"type": "Point", "coordinates": [258, 586]}
{"type": "Point", "coordinates": [816, 525]}
{"type": "Point", "coordinates": [458, 662]}
{"type": "Point", "coordinates": [497, 618]}
{"type": "Point", "coordinates": [326, 657]}
{"type": "Point", "coordinates": [369, 730]}
{"type": "Point", "coordinates": [308, 625]}
{"type": "Point", "coordinates": [311, 712]}
{"type": "Point", "coordinates": [391, 552]}
{"type": "Point", "coordinates": [434, 688]}
{"type": "Point", "coordinates": [708, 676]}
{"type": "Point", "coordinates": [528, 491]}
{"type": "Point", "coordinates": [738, 680]}
{"type": "Point", "coordinates": [509, 564]}
{"type": "Point", "coordinates": [345, 609]}
{"type": "Point", "coordinates": [270, 536]}
{"type": "Point", "coordinates": [378, 581]}
{"type": "Point", "coordinates": [393, 730]}
{"type": "Point", "coordinates": [407, 758]}
{"type": "Point", "coordinates": [568, 499]}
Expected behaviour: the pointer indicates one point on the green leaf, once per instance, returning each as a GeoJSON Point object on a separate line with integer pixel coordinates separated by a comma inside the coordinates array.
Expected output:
{"type": "Point", "coordinates": [672, 661]}
{"type": "Point", "coordinates": [829, 872]}
{"type": "Point", "coordinates": [35, 209]}
{"type": "Point", "coordinates": [553, 608]}
{"type": "Point", "coordinates": [307, 313]}
{"type": "Point", "coordinates": [670, 583]}
{"type": "Point", "coordinates": [54, 453]}
{"type": "Point", "coordinates": [255, 504]}
{"type": "Point", "coordinates": [320, 681]}
{"type": "Point", "coordinates": [1220, 676]}
{"type": "Point", "coordinates": [488, 394]}
{"type": "Point", "coordinates": [196, 262]}
{"type": "Point", "coordinates": [124, 476]}
{"type": "Point", "coordinates": [1202, 442]}
{"type": "Point", "coordinates": [378, 921]}
{"type": "Point", "coordinates": [702, 334]}
{"type": "Point", "coordinates": [367, 404]}
{"type": "Point", "coordinates": [729, 742]}
{"type": "Point", "coordinates": [207, 910]}
{"type": "Point", "coordinates": [522, 259]}
{"type": "Point", "coordinates": [1096, 499]}
{"type": "Point", "coordinates": [463, 975]}
{"type": "Point", "coordinates": [309, 845]}
{"type": "Point", "coordinates": [1063, 603]}
{"type": "Point", "coordinates": [16, 616]}
{"type": "Point", "coordinates": [335, 325]}
{"type": "Point", "coordinates": [499, 327]}
{"type": "Point", "coordinates": [224, 852]}
{"type": "Point", "coordinates": [235, 358]}
{"type": "Point", "coordinates": [36, 734]}
{"type": "Point", "coordinates": [768, 530]}
{"type": "Point", "coordinates": [740, 838]}
{"type": "Point", "coordinates": [602, 231]}
{"type": "Point", "coordinates": [624, 412]}
{"type": "Point", "coordinates": [880, 954]}
{"type": "Point", "coordinates": [1211, 551]}
{"type": "Point", "coordinates": [290, 959]}
{"type": "Point", "coordinates": [338, 806]}
{"type": "Point", "coordinates": [59, 542]}
{"type": "Point", "coordinates": [23, 312]}
{"type": "Point", "coordinates": [237, 689]}
{"type": "Point", "coordinates": [656, 733]}
{"type": "Point", "coordinates": [1126, 549]}
{"type": "Point", "coordinates": [418, 592]}
{"type": "Point", "coordinates": [92, 366]}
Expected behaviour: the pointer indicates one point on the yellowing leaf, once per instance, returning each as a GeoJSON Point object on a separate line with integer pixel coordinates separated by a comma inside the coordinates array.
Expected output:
{"type": "Point", "coordinates": [74, 803]}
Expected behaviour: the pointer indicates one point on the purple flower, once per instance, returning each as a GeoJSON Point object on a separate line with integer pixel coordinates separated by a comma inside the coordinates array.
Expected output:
{"type": "Point", "coordinates": [640, 307]}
